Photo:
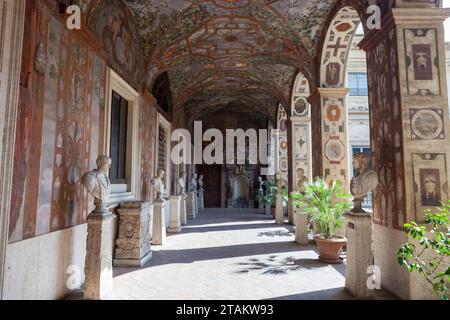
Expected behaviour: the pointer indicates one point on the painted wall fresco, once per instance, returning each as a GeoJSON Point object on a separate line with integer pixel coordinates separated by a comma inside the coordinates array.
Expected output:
{"type": "Point", "coordinates": [114, 26]}
{"type": "Point", "coordinates": [60, 130]}
{"type": "Point", "coordinates": [147, 140]}
{"type": "Point", "coordinates": [59, 125]}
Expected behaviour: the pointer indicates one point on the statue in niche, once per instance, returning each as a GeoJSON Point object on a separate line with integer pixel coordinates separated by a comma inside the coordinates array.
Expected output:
{"type": "Point", "coordinates": [364, 181]}
{"type": "Point", "coordinates": [301, 180]}
{"type": "Point", "coordinates": [158, 184]}
{"type": "Point", "coordinates": [98, 184]}
{"type": "Point", "coordinates": [194, 183]}
{"type": "Point", "coordinates": [200, 182]}
{"type": "Point", "coordinates": [181, 184]}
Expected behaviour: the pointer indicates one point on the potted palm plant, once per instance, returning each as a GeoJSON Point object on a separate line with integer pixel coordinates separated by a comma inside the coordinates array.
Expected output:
{"type": "Point", "coordinates": [327, 204]}
{"type": "Point", "coordinates": [270, 197]}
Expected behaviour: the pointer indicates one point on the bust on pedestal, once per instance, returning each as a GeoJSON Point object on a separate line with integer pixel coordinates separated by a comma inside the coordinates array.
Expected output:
{"type": "Point", "coordinates": [359, 229]}
{"type": "Point", "coordinates": [98, 264]}
{"type": "Point", "coordinates": [159, 223]}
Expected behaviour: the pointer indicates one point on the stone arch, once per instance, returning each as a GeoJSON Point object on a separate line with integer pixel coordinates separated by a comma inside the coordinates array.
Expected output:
{"type": "Point", "coordinates": [336, 47]}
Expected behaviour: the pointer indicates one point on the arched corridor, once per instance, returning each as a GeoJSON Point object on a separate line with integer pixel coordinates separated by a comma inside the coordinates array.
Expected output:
{"type": "Point", "coordinates": [223, 149]}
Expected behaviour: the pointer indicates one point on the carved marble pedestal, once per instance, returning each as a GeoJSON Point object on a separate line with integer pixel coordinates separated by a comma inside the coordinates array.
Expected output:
{"type": "Point", "coordinates": [175, 217]}
{"type": "Point", "coordinates": [133, 246]}
{"type": "Point", "coordinates": [190, 206]}
{"type": "Point", "coordinates": [301, 227]}
{"type": "Point", "coordinates": [279, 213]}
{"type": "Point", "coordinates": [359, 254]}
{"type": "Point", "coordinates": [98, 265]}
{"type": "Point", "coordinates": [183, 209]}
{"type": "Point", "coordinates": [201, 200]}
{"type": "Point", "coordinates": [159, 222]}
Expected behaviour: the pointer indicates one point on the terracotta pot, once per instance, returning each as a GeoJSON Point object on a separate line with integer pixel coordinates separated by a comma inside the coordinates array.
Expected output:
{"type": "Point", "coordinates": [330, 249]}
{"type": "Point", "coordinates": [274, 210]}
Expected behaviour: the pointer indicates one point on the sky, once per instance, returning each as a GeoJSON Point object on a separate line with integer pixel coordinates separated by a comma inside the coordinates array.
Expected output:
{"type": "Point", "coordinates": [447, 23]}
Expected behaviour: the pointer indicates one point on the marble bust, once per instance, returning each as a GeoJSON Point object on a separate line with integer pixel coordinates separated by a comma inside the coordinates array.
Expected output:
{"type": "Point", "coordinates": [97, 183]}
{"type": "Point", "coordinates": [181, 185]}
{"type": "Point", "coordinates": [301, 180]}
{"type": "Point", "coordinates": [200, 182]}
{"type": "Point", "coordinates": [261, 185]}
{"type": "Point", "coordinates": [364, 181]}
{"type": "Point", "coordinates": [280, 182]}
{"type": "Point", "coordinates": [158, 184]}
{"type": "Point", "coordinates": [194, 183]}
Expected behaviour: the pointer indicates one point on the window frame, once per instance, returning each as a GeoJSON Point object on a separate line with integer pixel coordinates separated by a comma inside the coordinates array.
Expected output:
{"type": "Point", "coordinates": [359, 90]}
{"type": "Point", "coordinates": [165, 124]}
{"type": "Point", "coordinates": [129, 190]}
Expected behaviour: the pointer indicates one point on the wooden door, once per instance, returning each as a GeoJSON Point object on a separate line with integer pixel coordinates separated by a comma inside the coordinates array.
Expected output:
{"type": "Point", "coordinates": [212, 181]}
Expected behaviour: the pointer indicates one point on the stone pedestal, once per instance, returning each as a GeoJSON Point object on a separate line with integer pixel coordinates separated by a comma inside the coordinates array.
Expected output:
{"type": "Point", "coordinates": [159, 222]}
{"type": "Point", "coordinates": [175, 214]}
{"type": "Point", "coordinates": [279, 213]}
{"type": "Point", "coordinates": [359, 254]}
{"type": "Point", "coordinates": [183, 209]}
{"type": "Point", "coordinates": [268, 209]}
{"type": "Point", "coordinates": [190, 206]}
{"type": "Point", "coordinates": [133, 246]}
{"type": "Point", "coordinates": [260, 197]}
{"type": "Point", "coordinates": [98, 265]}
{"type": "Point", "coordinates": [196, 203]}
{"type": "Point", "coordinates": [301, 227]}
{"type": "Point", "coordinates": [201, 200]}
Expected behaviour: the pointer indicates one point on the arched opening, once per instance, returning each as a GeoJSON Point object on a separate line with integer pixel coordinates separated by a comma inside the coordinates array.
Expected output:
{"type": "Point", "coordinates": [162, 93]}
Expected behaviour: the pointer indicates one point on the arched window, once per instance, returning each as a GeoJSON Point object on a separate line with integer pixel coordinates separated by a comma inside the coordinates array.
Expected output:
{"type": "Point", "coordinates": [162, 94]}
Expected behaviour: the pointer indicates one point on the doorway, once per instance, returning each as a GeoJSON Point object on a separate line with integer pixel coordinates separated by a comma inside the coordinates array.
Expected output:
{"type": "Point", "coordinates": [212, 182]}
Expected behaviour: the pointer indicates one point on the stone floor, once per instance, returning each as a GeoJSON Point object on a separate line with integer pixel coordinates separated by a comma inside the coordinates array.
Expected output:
{"type": "Point", "coordinates": [232, 254]}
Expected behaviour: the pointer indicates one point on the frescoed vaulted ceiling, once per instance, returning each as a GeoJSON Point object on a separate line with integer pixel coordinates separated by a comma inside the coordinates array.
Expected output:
{"type": "Point", "coordinates": [220, 53]}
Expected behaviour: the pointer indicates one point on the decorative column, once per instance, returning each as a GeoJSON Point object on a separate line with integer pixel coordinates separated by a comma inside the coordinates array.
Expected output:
{"type": "Point", "coordinates": [133, 246]}
{"type": "Point", "coordinates": [175, 217]}
{"type": "Point", "coordinates": [409, 131]}
{"type": "Point", "coordinates": [159, 222]}
{"type": "Point", "coordinates": [299, 141]}
{"type": "Point", "coordinates": [334, 134]}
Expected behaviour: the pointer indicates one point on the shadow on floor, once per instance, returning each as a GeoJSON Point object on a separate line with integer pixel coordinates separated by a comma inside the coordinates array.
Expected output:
{"type": "Point", "coordinates": [274, 265]}
{"type": "Point", "coordinates": [191, 229]}
{"type": "Point", "coordinates": [214, 253]}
